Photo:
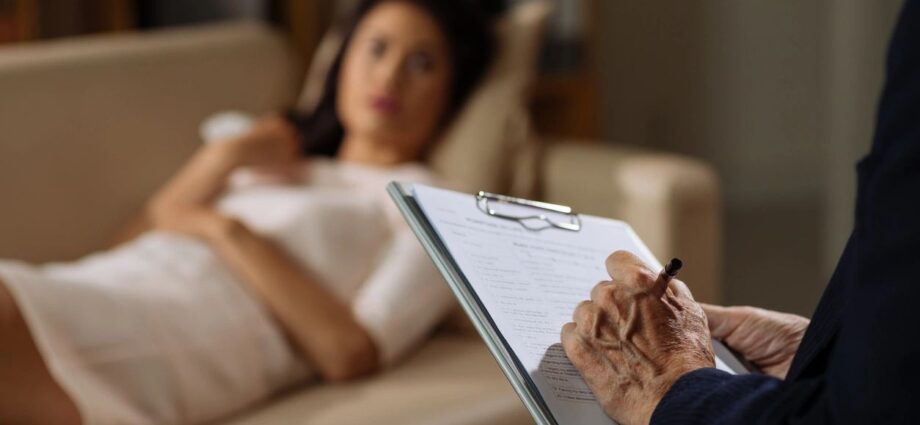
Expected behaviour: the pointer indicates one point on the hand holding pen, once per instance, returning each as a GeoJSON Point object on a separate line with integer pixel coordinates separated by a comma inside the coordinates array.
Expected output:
{"type": "Point", "coordinates": [633, 319]}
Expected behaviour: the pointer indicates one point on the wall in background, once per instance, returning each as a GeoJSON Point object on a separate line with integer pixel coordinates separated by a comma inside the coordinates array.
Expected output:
{"type": "Point", "coordinates": [860, 32]}
{"type": "Point", "coordinates": [739, 83]}
{"type": "Point", "coordinates": [754, 88]}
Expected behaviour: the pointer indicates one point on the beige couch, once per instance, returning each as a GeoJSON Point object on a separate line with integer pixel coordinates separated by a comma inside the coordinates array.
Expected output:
{"type": "Point", "coordinates": [90, 127]}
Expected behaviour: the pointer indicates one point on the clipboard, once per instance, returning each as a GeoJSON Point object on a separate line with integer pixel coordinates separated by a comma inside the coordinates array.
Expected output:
{"type": "Point", "coordinates": [541, 216]}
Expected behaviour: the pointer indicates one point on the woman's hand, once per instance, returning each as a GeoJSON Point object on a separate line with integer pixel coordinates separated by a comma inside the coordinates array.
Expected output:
{"type": "Point", "coordinates": [768, 339]}
{"type": "Point", "coordinates": [185, 204]}
{"type": "Point", "coordinates": [633, 339]}
{"type": "Point", "coordinates": [272, 143]}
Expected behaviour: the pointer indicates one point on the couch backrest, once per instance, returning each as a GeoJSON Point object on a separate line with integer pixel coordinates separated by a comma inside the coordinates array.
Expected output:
{"type": "Point", "coordinates": [90, 127]}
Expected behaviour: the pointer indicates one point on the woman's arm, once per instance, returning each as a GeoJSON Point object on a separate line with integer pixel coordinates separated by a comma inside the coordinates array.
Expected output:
{"type": "Point", "coordinates": [403, 300]}
{"type": "Point", "coordinates": [196, 184]}
{"type": "Point", "coordinates": [137, 225]}
{"type": "Point", "coordinates": [321, 325]}
{"type": "Point", "coordinates": [272, 141]}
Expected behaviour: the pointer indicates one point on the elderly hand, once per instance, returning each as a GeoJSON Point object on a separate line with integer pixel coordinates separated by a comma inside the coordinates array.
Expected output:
{"type": "Point", "coordinates": [633, 340]}
{"type": "Point", "coordinates": [768, 339]}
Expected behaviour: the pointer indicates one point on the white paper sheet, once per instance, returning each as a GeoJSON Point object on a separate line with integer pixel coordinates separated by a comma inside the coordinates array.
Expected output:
{"type": "Point", "coordinates": [530, 283]}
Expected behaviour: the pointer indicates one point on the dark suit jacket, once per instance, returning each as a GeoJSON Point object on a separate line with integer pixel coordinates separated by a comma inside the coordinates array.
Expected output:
{"type": "Point", "coordinates": [859, 361]}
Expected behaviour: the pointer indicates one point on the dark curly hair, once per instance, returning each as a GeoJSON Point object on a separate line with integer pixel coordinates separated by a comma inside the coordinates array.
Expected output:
{"type": "Point", "coordinates": [467, 26]}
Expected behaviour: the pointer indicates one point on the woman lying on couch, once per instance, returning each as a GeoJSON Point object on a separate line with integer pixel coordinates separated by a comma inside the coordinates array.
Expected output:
{"type": "Point", "coordinates": [240, 284]}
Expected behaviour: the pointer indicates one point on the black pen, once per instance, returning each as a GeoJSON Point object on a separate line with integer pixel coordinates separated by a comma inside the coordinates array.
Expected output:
{"type": "Point", "coordinates": [667, 273]}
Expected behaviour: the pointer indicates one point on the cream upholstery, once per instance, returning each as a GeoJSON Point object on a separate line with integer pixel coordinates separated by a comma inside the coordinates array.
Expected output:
{"type": "Point", "coordinates": [672, 202]}
{"type": "Point", "coordinates": [91, 126]}
{"type": "Point", "coordinates": [451, 380]}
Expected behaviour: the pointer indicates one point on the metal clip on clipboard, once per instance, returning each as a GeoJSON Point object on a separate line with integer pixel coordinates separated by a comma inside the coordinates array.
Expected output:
{"type": "Point", "coordinates": [574, 224]}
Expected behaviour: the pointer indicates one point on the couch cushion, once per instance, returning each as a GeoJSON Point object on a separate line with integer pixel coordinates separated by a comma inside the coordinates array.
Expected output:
{"type": "Point", "coordinates": [451, 380]}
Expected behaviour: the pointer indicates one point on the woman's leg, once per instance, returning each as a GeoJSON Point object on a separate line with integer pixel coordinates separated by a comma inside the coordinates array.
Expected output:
{"type": "Point", "coordinates": [28, 394]}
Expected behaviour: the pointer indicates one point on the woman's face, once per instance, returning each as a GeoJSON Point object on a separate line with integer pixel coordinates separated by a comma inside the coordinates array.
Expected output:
{"type": "Point", "coordinates": [395, 80]}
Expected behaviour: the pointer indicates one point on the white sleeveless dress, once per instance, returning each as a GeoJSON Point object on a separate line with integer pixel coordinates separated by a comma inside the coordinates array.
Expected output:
{"type": "Point", "coordinates": [161, 331]}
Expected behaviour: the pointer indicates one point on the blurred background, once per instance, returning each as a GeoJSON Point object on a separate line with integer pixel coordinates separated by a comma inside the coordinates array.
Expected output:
{"type": "Point", "coordinates": [779, 96]}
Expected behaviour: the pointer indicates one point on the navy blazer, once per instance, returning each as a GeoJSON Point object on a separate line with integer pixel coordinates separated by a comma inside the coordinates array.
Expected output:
{"type": "Point", "coordinates": [859, 361]}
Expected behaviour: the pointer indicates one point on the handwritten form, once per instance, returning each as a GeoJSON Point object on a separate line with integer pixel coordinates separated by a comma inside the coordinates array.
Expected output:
{"type": "Point", "coordinates": [530, 283]}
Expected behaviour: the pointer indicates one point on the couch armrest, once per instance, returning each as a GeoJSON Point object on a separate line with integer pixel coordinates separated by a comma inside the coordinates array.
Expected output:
{"type": "Point", "coordinates": [671, 201]}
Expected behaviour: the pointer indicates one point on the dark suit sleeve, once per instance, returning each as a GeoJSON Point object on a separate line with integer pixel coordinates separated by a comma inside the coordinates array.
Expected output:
{"type": "Point", "coordinates": [710, 396]}
{"type": "Point", "coordinates": [872, 371]}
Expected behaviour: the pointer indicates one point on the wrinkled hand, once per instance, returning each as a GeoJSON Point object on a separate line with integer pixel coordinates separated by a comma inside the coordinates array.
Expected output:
{"type": "Point", "coordinates": [633, 340]}
{"type": "Point", "coordinates": [768, 339]}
